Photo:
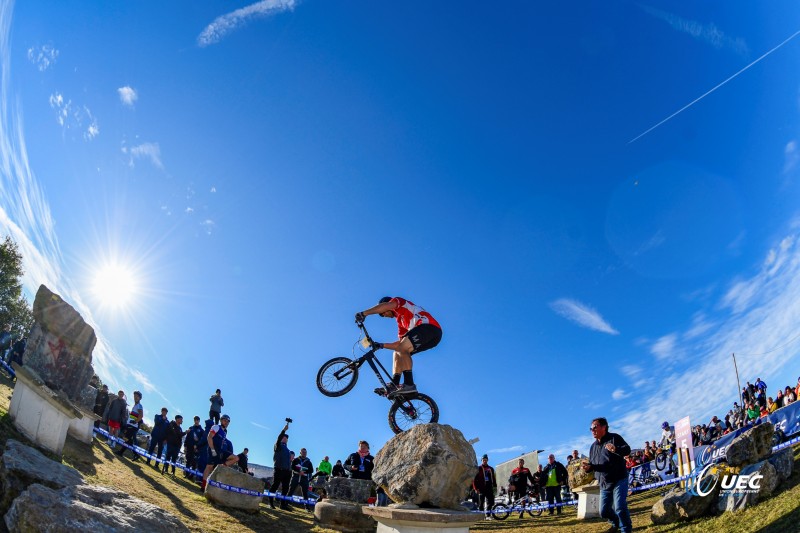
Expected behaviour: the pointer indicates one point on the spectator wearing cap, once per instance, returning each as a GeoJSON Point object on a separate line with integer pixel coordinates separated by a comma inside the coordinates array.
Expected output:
{"type": "Point", "coordinates": [485, 484]}
{"type": "Point", "coordinates": [216, 454]}
{"type": "Point", "coordinates": [173, 436]}
{"type": "Point", "coordinates": [158, 437]}
{"type": "Point", "coordinates": [282, 463]}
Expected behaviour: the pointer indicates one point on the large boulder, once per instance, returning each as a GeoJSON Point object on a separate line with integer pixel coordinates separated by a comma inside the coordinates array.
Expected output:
{"type": "Point", "coordinates": [87, 508]}
{"type": "Point", "coordinates": [678, 505]}
{"type": "Point", "coordinates": [238, 499]}
{"type": "Point", "coordinates": [428, 465]}
{"type": "Point", "coordinates": [751, 446]}
{"type": "Point", "coordinates": [22, 466]}
{"type": "Point", "coordinates": [576, 475]}
{"type": "Point", "coordinates": [735, 500]}
{"type": "Point", "coordinates": [60, 345]}
{"type": "Point", "coordinates": [783, 462]}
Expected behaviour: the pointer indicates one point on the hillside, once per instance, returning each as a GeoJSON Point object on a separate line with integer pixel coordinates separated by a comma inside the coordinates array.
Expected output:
{"type": "Point", "coordinates": [182, 498]}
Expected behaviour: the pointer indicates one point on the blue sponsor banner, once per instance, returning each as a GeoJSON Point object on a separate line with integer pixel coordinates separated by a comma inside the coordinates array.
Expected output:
{"type": "Point", "coordinates": [787, 419]}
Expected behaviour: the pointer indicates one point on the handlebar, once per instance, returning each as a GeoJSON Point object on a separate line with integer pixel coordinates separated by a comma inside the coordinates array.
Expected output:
{"type": "Point", "coordinates": [363, 329]}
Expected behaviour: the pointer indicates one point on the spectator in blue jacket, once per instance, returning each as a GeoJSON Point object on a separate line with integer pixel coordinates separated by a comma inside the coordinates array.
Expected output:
{"type": "Point", "coordinates": [159, 435]}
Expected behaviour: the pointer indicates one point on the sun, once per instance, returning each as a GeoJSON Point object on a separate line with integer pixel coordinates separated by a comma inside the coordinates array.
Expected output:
{"type": "Point", "coordinates": [114, 285]}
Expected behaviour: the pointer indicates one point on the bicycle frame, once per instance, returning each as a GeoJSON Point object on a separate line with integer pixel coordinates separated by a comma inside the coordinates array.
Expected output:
{"type": "Point", "coordinates": [371, 359]}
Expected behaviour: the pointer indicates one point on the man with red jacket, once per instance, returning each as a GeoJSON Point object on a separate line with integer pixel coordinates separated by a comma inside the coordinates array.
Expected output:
{"type": "Point", "coordinates": [519, 479]}
{"type": "Point", "coordinates": [417, 331]}
{"type": "Point", "coordinates": [485, 484]}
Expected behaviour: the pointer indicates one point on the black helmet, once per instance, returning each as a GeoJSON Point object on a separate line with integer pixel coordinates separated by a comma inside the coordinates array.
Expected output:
{"type": "Point", "coordinates": [384, 299]}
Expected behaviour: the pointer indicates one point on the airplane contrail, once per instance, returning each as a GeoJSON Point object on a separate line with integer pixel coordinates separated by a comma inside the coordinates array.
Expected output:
{"type": "Point", "coordinates": [690, 104]}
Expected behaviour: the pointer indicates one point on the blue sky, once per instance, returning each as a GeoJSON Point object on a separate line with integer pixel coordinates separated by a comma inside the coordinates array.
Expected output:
{"type": "Point", "coordinates": [262, 171]}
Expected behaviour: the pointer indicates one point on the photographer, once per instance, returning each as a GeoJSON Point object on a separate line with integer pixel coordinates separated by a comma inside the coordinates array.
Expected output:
{"type": "Point", "coordinates": [283, 466]}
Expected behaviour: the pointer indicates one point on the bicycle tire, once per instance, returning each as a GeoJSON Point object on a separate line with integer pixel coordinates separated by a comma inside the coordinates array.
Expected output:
{"type": "Point", "coordinates": [661, 461]}
{"type": "Point", "coordinates": [425, 411]}
{"type": "Point", "coordinates": [327, 380]}
{"type": "Point", "coordinates": [500, 511]}
{"type": "Point", "coordinates": [534, 512]}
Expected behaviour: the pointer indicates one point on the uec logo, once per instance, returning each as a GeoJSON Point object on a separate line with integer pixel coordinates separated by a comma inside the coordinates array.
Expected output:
{"type": "Point", "coordinates": [704, 484]}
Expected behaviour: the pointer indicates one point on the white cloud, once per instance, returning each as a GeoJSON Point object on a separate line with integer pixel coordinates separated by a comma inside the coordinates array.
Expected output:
{"type": "Point", "coordinates": [222, 26]}
{"type": "Point", "coordinates": [707, 33]}
{"type": "Point", "coordinates": [25, 215]}
{"type": "Point", "coordinates": [256, 424]}
{"type": "Point", "coordinates": [620, 394]}
{"type": "Point", "coordinates": [791, 156]}
{"type": "Point", "coordinates": [42, 56]}
{"type": "Point", "coordinates": [631, 371]}
{"type": "Point", "coordinates": [213, 189]}
{"type": "Point", "coordinates": [583, 315]}
{"type": "Point", "coordinates": [72, 117]}
{"type": "Point", "coordinates": [664, 347]}
{"type": "Point", "coordinates": [760, 329]}
{"type": "Point", "coordinates": [510, 449]}
{"type": "Point", "coordinates": [149, 151]}
{"type": "Point", "coordinates": [127, 95]}
{"type": "Point", "coordinates": [208, 226]}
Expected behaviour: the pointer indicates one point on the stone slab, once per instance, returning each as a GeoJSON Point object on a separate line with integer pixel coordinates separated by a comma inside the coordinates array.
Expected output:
{"type": "Point", "coordinates": [404, 520]}
{"type": "Point", "coordinates": [82, 429]}
{"type": "Point", "coordinates": [227, 498]}
{"type": "Point", "coordinates": [39, 413]}
{"type": "Point", "coordinates": [588, 501]}
{"type": "Point", "coordinates": [343, 516]}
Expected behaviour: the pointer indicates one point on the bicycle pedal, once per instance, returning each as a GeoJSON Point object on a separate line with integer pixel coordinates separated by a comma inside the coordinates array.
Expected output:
{"type": "Point", "coordinates": [380, 391]}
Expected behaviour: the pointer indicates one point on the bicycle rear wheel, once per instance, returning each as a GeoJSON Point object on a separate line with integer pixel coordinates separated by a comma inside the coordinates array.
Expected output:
{"type": "Point", "coordinates": [405, 414]}
{"type": "Point", "coordinates": [500, 511]}
{"type": "Point", "coordinates": [337, 377]}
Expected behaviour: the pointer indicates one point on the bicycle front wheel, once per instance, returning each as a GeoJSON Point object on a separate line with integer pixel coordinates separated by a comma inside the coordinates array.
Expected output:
{"type": "Point", "coordinates": [500, 511]}
{"type": "Point", "coordinates": [661, 461]}
{"type": "Point", "coordinates": [337, 377]}
{"type": "Point", "coordinates": [535, 509]}
{"type": "Point", "coordinates": [405, 414]}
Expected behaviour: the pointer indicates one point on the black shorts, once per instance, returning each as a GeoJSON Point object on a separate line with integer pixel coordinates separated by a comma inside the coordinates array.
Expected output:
{"type": "Point", "coordinates": [424, 337]}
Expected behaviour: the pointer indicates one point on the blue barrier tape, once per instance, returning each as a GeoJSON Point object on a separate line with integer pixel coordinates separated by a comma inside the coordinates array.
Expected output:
{"type": "Point", "coordinates": [8, 368]}
{"type": "Point", "coordinates": [224, 486]}
{"type": "Point", "coordinates": [296, 499]}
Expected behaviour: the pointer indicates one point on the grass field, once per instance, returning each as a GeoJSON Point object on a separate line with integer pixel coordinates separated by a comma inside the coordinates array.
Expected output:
{"type": "Point", "coordinates": [780, 513]}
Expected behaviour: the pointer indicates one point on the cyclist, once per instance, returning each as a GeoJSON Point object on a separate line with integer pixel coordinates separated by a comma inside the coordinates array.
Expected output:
{"type": "Point", "coordinates": [417, 331]}
{"type": "Point", "coordinates": [668, 441]}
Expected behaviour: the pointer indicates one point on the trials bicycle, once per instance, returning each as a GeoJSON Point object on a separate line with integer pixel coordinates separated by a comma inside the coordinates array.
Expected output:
{"type": "Point", "coordinates": [530, 503]}
{"type": "Point", "coordinates": [338, 376]}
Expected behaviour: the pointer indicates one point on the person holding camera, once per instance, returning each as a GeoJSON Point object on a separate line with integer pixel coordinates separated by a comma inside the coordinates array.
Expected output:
{"type": "Point", "coordinates": [282, 464]}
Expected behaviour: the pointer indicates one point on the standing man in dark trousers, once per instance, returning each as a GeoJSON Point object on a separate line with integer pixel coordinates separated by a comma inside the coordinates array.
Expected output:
{"type": "Point", "coordinates": [485, 484]}
{"type": "Point", "coordinates": [192, 445]}
{"type": "Point", "coordinates": [606, 460]}
{"type": "Point", "coordinates": [301, 474]}
{"type": "Point", "coordinates": [134, 421]}
{"type": "Point", "coordinates": [283, 468]}
{"type": "Point", "coordinates": [554, 476]}
{"type": "Point", "coordinates": [158, 437]}
{"type": "Point", "coordinates": [217, 403]}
